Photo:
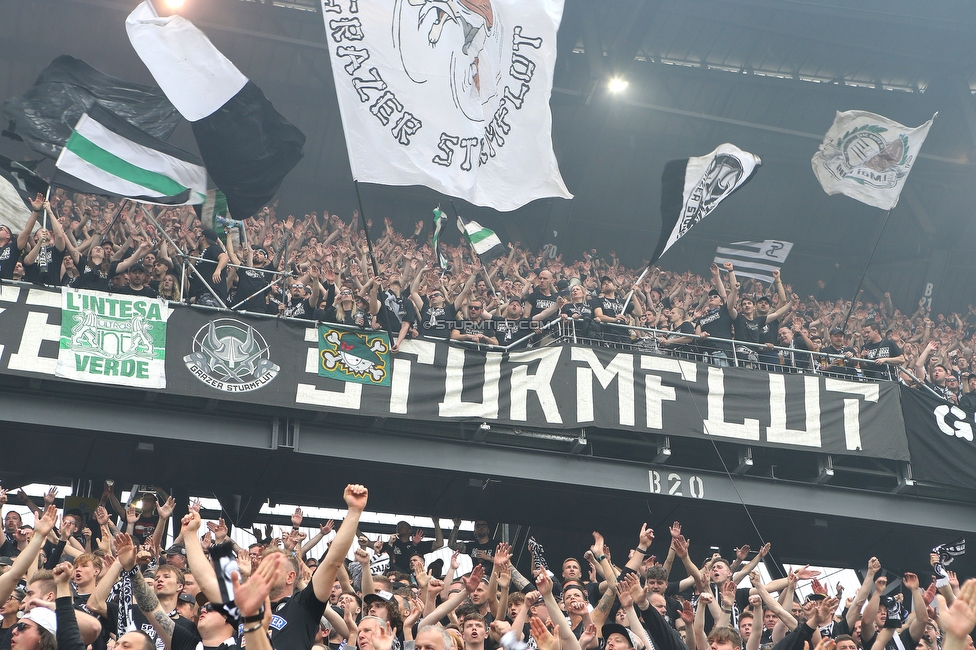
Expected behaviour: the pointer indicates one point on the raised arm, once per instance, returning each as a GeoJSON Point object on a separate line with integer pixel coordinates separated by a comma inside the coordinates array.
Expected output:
{"type": "Point", "coordinates": [567, 639]}
{"type": "Point", "coordinates": [42, 526]}
{"type": "Point", "coordinates": [324, 577]}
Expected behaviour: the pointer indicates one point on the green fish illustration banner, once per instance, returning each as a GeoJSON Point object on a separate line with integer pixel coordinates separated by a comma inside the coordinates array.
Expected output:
{"type": "Point", "coordinates": [112, 339]}
{"type": "Point", "coordinates": [360, 356]}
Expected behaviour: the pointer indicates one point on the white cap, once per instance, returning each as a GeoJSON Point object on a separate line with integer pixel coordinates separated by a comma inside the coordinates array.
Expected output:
{"type": "Point", "coordinates": [44, 618]}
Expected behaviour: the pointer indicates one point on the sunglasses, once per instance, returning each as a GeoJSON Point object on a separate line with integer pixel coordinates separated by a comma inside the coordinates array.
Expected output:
{"type": "Point", "coordinates": [21, 627]}
{"type": "Point", "coordinates": [207, 608]}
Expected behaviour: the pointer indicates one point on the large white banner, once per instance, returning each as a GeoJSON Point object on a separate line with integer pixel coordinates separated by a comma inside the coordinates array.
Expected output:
{"type": "Point", "coordinates": [112, 339]}
{"type": "Point", "coordinates": [868, 157]}
{"type": "Point", "coordinates": [451, 94]}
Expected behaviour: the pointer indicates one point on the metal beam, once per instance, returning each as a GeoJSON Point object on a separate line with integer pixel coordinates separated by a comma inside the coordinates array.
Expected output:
{"type": "Point", "coordinates": [636, 477]}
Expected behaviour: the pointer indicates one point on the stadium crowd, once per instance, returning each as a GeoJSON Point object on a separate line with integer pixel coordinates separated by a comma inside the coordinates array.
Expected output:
{"type": "Point", "coordinates": [320, 268]}
{"type": "Point", "coordinates": [70, 582]}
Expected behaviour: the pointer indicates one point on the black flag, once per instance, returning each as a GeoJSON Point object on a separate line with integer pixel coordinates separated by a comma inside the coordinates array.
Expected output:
{"type": "Point", "coordinates": [45, 115]}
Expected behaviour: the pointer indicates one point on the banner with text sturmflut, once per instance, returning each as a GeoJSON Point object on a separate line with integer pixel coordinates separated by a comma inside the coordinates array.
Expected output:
{"type": "Point", "coordinates": [237, 357]}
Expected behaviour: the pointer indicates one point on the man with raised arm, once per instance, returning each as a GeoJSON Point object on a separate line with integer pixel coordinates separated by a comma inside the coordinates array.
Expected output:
{"type": "Point", "coordinates": [296, 614]}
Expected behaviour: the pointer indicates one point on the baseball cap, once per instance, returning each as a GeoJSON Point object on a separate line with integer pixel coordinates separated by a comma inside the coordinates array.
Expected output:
{"type": "Point", "coordinates": [6, 561]}
{"type": "Point", "coordinates": [713, 292]}
{"type": "Point", "coordinates": [763, 299]}
{"type": "Point", "coordinates": [614, 628]}
{"type": "Point", "coordinates": [514, 299]}
{"type": "Point", "coordinates": [176, 549]}
{"type": "Point", "coordinates": [606, 278]}
{"type": "Point", "coordinates": [381, 596]}
{"type": "Point", "coordinates": [44, 617]}
{"type": "Point", "coordinates": [210, 234]}
{"type": "Point", "coordinates": [186, 598]}
{"type": "Point", "coordinates": [836, 330]}
{"type": "Point", "coordinates": [138, 267]}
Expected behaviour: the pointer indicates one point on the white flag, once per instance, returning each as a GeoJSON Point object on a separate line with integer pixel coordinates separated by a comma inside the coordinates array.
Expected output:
{"type": "Point", "coordinates": [452, 95]}
{"type": "Point", "coordinates": [755, 259]}
{"type": "Point", "coordinates": [691, 188]}
{"type": "Point", "coordinates": [868, 157]}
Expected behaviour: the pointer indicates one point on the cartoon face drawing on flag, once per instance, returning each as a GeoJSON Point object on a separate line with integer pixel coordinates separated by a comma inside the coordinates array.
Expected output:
{"type": "Point", "coordinates": [455, 41]}
{"type": "Point", "coordinates": [451, 94]}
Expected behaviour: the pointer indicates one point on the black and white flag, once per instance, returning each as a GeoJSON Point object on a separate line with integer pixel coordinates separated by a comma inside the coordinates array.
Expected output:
{"type": "Point", "coordinates": [18, 184]}
{"type": "Point", "coordinates": [755, 259]}
{"type": "Point", "coordinates": [246, 145]}
{"type": "Point", "coordinates": [691, 188]}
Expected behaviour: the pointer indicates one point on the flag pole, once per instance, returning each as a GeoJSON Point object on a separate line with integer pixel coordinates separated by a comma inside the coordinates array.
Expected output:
{"type": "Point", "coordinates": [634, 287]}
{"type": "Point", "coordinates": [857, 292]}
{"type": "Point", "coordinates": [362, 218]}
{"type": "Point", "coordinates": [457, 215]}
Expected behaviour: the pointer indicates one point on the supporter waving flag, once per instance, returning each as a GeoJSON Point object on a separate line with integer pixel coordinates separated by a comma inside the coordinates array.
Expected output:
{"type": "Point", "coordinates": [868, 157]}
{"type": "Point", "coordinates": [18, 185]}
{"type": "Point", "coordinates": [691, 188]}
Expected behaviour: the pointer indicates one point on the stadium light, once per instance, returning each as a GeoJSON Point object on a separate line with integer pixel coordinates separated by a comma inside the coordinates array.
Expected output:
{"type": "Point", "coordinates": [174, 4]}
{"type": "Point", "coordinates": [617, 85]}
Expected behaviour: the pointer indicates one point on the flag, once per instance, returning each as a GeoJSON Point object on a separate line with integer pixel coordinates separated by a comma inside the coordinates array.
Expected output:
{"type": "Point", "coordinates": [354, 355]}
{"type": "Point", "coordinates": [246, 145]}
{"type": "Point", "coordinates": [439, 218]}
{"type": "Point", "coordinates": [457, 100]}
{"type": "Point", "coordinates": [484, 242]}
{"type": "Point", "coordinates": [107, 155]}
{"type": "Point", "coordinates": [45, 115]}
{"type": "Point", "coordinates": [692, 187]}
{"type": "Point", "coordinates": [213, 213]}
{"type": "Point", "coordinates": [755, 259]}
{"type": "Point", "coordinates": [223, 557]}
{"type": "Point", "coordinates": [112, 339]}
{"type": "Point", "coordinates": [18, 185]}
{"type": "Point", "coordinates": [868, 157]}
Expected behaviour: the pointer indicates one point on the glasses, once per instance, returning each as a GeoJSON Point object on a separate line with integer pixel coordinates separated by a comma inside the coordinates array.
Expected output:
{"type": "Point", "coordinates": [474, 307]}
{"type": "Point", "coordinates": [21, 627]}
{"type": "Point", "coordinates": [299, 285]}
{"type": "Point", "coordinates": [436, 294]}
{"type": "Point", "coordinates": [345, 293]}
{"type": "Point", "coordinates": [208, 607]}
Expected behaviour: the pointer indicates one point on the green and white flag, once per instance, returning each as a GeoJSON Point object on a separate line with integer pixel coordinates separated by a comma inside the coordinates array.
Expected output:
{"type": "Point", "coordinates": [439, 218]}
{"type": "Point", "coordinates": [868, 157]}
{"type": "Point", "coordinates": [484, 242]}
{"type": "Point", "coordinates": [107, 155]}
{"type": "Point", "coordinates": [112, 339]}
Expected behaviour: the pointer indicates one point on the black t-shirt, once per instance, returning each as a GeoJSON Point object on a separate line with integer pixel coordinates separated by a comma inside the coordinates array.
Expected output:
{"type": "Point", "coordinates": [611, 306]}
{"type": "Point", "coordinates": [145, 528]}
{"type": "Point", "coordinates": [883, 349]}
{"type": "Point", "coordinates": [206, 267]}
{"type": "Point", "coordinates": [91, 276]}
{"type": "Point", "coordinates": [578, 311]}
{"type": "Point", "coordinates": [400, 552]}
{"type": "Point", "coordinates": [189, 639]}
{"type": "Point", "coordinates": [539, 301]}
{"type": "Point", "coordinates": [435, 322]}
{"type": "Point", "coordinates": [770, 331]}
{"type": "Point", "coordinates": [717, 322]}
{"type": "Point", "coordinates": [5, 634]}
{"type": "Point", "coordinates": [687, 328]}
{"type": "Point", "coordinates": [509, 331]}
{"type": "Point", "coordinates": [145, 291]}
{"type": "Point", "coordinates": [52, 276]}
{"type": "Point", "coordinates": [9, 255]}
{"type": "Point", "coordinates": [298, 308]}
{"type": "Point", "coordinates": [355, 318]}
{"type": "Point", "coordinates": [394, 310]}
{"type": "Point", "coordinates": [250, 281]}
{"type": "Point", "coordinates": [294, 621]}
{"type": "Point", "coordinates": [485, 327]}
{"type": "Point", "coordinates": [748, 330]}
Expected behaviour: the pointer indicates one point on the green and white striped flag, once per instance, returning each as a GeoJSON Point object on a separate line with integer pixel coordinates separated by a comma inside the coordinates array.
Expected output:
{"type": "Point", "coordinates": [484, 242]}
{"type": "Point", "coordinates": [439, 218]}
{"type": "Point", "coordinates": [107, 155]}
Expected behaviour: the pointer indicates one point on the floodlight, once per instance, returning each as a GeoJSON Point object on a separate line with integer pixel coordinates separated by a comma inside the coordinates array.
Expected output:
{"type": "Point", "coordinates": [617, 85]}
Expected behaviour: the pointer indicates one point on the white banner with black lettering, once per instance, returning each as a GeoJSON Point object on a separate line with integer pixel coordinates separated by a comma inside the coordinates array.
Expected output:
{"type": "Point", "coordinates": [451, 95]}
